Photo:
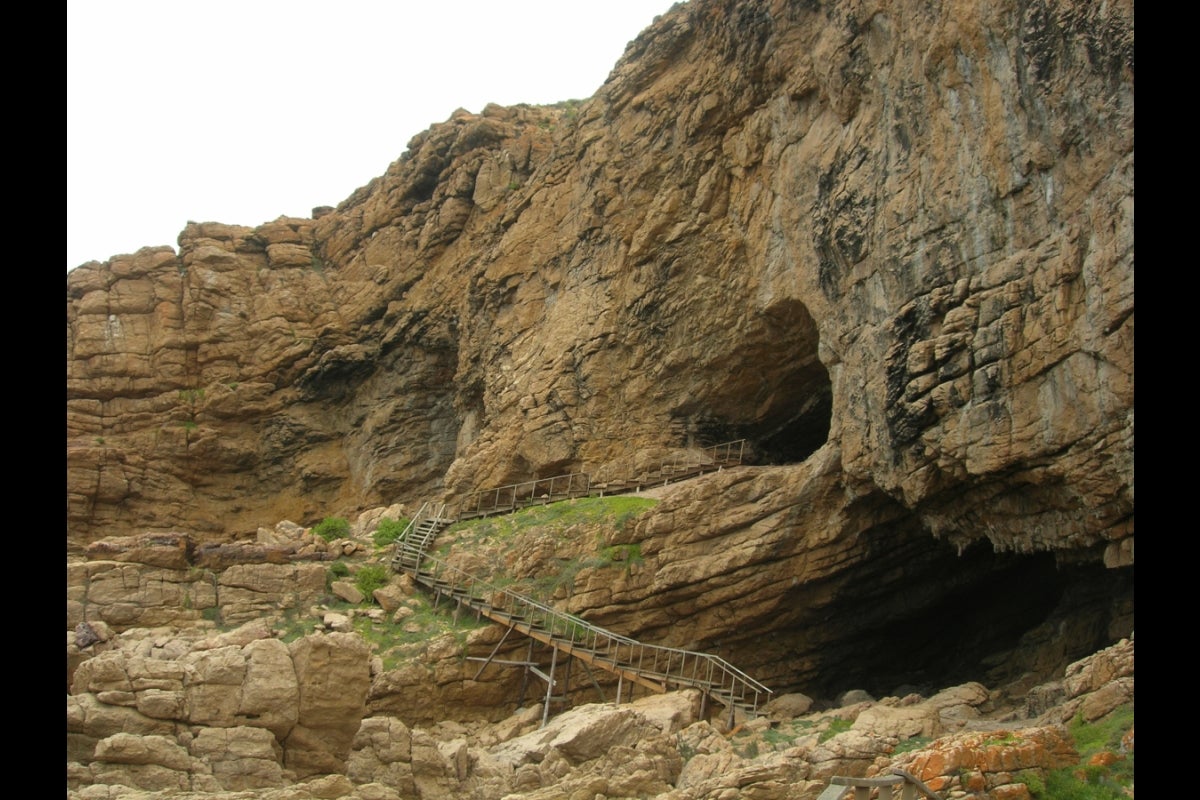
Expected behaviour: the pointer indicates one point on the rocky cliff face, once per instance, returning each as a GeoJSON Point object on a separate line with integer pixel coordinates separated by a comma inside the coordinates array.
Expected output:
{"type": "Point", "coordinates": [888, 244]}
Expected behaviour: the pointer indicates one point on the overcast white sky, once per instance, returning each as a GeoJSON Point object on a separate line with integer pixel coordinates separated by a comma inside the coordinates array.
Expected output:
{"type": "Point", "coordinates": [240, 111]}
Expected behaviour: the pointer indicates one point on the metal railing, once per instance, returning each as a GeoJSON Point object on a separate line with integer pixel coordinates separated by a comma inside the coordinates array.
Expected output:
{"type": "Point", "coordinates": [680, 465]}
{"type": "Point", "coordinates": [519, 495]}
{"type": "Point", "coordinates": [515, 496]}
{"type": "Point", "coordinates": [672, 667]}
{"type": "Point", "coordinates": [417, 535]}
{"type": "Point", "coordinates": [655, 665]}
{"type": "Point", "coordinates": [665, 666]}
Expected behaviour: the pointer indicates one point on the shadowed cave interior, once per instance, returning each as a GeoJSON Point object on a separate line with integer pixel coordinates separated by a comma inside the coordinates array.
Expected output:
{"type": "Point", "coordinates": [917, 614]}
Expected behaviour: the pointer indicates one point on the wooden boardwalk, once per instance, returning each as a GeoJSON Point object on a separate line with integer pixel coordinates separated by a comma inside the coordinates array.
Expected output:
{"type": "Point", "coordinates": [657, 668]}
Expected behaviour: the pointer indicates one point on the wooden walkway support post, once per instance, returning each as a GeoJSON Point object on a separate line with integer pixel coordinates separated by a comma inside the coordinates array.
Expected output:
{"type": "Point", "coordinates": [549, 686]}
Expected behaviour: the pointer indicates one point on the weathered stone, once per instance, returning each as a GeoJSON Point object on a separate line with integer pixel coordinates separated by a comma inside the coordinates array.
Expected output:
{"type": "Point", "coordinates": [347, 591]}
{"type": "Point", "coordinates": [89, 717]}
{"type": "Point", "coordinates": [165, 550]}
{"type": "Point", "coordinates": [787, 706]}
{"type": "Point", "coordinates": [389, 597]}
{"type": "Point", "coordinates": [128, 748]}
{"type": "Point", "coordinates": [240, 757]}
{"type": "Point", "coordinates": [734, 238]}
{"type": "Point", "coordinates": [987, 760]}
{"type": "Point", "coordinates": [333, 677]}
{"type": "Point", "coordinates": [382, 752]}
{"type": "Point", "coordinates": [216, 677]}
{"type": "Point", "coordinates": [945, 711]}
{"type": "Point", "coordinates": [269, 697]}
{"type": "Point", "coordinates": [581, 734]}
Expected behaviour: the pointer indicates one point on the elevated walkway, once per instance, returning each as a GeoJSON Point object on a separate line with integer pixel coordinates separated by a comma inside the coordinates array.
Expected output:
{"type": "Point", "coordinates": [515, 496]}
{"type": "Point", "coordinates": [656, 668]}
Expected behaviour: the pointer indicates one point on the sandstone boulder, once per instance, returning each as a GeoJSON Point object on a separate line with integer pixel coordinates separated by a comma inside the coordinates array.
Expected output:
{"type": "Point", "coordinates": [333, 678]}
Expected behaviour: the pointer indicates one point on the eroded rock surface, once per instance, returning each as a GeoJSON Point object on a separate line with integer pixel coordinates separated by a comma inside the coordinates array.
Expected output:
{"type": "Point", "coordinates": [888, 244]}
{"type": "Point", "coordinates": [877, 226]}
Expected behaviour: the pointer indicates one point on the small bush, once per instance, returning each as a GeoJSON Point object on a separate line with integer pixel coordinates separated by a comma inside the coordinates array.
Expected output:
{"type": "Point", "coordinates": [388, 531]}
{"type": "Point", "coordinates": [337, 570]}
{"type": "Point", "coordinates": [332, 528]}
{"type": "Point", "coordinates": [370, 578]}
{"type": "Point", "coordinates": [749, 750]}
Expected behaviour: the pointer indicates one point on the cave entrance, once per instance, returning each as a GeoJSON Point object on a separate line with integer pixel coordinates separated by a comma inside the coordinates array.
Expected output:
{"type": "Point", "coordinates": [771, 390]}
{"type": "Point", "coordinates": [923, 617]}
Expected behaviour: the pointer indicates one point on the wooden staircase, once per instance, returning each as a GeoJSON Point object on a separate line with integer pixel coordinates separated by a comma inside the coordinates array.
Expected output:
{"type": "Point", "coordinates": [659, 669]}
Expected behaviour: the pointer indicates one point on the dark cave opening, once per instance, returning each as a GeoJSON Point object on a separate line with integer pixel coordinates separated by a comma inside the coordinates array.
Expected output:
{"type": "Point", "coordinates": [773, 390]}
{"type": "Point", "coordinates": [995, 618]}
{"type": "Point", "coordinates": [799, 436]}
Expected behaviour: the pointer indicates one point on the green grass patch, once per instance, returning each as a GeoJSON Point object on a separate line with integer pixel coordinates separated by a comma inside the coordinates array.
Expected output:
{"type": "Point", "coordinates": [613, 512]}
{"type": "Point", "coordinates": [293, 626]}
{"type": "Point", "coordinates": [1103, 734]}
{"type": "Point", "coordinates": [396, 642]}
{"type": "Point", "coordinates": [748, 750]}
{"type": "Point", "coordinates": [1086, 781]}
{"type": "Point", "coordinates": [562, 578]}
{"type": "Point", "coordinates": [501, 533]}
{"type": "Point", "coordinates": [627, 554]}
{"type": "Point", "coordinates": [836, 726]}
{"type": "Point", "coordinates": [783, 735]}
{"type": "Point", "coordinates": [912, 743]}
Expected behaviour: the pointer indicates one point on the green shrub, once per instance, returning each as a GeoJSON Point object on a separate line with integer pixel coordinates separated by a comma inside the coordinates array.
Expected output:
{"type": "Point", "coordinates": [332, 528]}
{"type": "Point", "coordinates": [337, 570]}
{"type": "Point", "coordinates": [776, 737]}
{"type": "Point", "coordinates": [748, 750]}
{"type": "Point", "coordinates": [1032, 780]}
{"type": "Point", "coordinates": [388, 531]}
{"type": "Point", "coordinates": [370, 578]}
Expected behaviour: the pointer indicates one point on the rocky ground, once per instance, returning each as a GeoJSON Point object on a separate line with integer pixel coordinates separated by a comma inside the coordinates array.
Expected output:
{"type": "Point", "coordinates": [957, 741]}
{"type": "Point", "coordinates": [314, 704]}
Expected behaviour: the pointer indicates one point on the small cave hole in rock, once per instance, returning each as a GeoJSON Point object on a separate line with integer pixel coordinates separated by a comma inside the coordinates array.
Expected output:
{"type": "Point", "coordinates": [773, 390]}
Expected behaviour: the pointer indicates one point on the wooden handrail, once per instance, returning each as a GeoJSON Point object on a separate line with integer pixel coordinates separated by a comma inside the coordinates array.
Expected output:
{"type": "Point", "coordinates": [519, 495]}
{"type": "Point", "coordinates": [515, 496]}
{"type": "Point", "coordinates": [841, 786]}
{"type": "Point", "coordinates": [653, 665]}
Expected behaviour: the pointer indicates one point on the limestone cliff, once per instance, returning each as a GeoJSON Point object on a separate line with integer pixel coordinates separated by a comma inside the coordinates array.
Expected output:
{"type": "Point", "coordinates": [888, 243]}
